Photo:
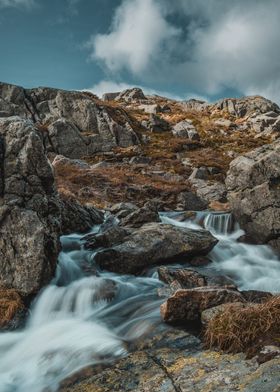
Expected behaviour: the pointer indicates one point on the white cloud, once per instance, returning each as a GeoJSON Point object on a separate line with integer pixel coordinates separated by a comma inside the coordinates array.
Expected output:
{"type": "Point", "coordinates": [138, 35]}
{"type": "Point", "coordinates": [210, 47]}
{"type": "Point", "coordinates": [16, 3]}
{"type": "Point", "coordinates": [109, 86]}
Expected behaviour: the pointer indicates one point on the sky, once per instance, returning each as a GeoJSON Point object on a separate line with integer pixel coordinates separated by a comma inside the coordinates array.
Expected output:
{"type": "Point", "coordinates": [207, 49]}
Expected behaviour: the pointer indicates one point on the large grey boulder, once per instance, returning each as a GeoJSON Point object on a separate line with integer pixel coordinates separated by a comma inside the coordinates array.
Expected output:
{"type": "Point", "coordinates": [29, 209]}
{"type": "Point", "coordinates": [194, 105]}
{"type": "Point", "coordinates": [254, 193]}
{"type": "Point", "coordinates": [186, 129]}
{"type": "Point", "coordinates": [209, 191]}
{"type": "Point", "coordinates": [155, 243]}
{"type": "Point", "coordinates": [134, 94]}
{"type": "Point", "coordinates": [265, 123]}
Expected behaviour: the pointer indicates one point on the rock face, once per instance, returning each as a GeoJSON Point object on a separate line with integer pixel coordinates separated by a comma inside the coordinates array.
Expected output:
{"type": "Point", "coordinates": [148, 213]}
{"type": "Point", "coordinates": [186, 129]}
{"type": "Point", "coordinates": [246, 106]}
{"type": "Point", "coordinates": [254, 193]}
{"type": "Point", "coordinates": [266, 123]}
{"type": "Point", "coordinates": [187, 305]}
{"type": "Point", "coordinates": [78, 218]}
{"type": "Point", "coordinates": [154, 243]}
{"type": "Point", "coordinates": [172, 361]}
{"type": "Point", "coordinates": [72, 123]}
{"type": "Point", "coordinates": [157, 124]}
{"type": "Point", "coordinates": [131, 95]}
{"type": "Point", "coordinates": [29, 210]}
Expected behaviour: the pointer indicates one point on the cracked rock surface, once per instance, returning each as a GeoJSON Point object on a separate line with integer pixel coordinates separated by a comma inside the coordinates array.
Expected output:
{"type": "Point", "coordinates": [254, 193]}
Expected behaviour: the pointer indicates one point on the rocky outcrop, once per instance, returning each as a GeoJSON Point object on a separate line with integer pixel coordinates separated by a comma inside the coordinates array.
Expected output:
{"type": "Point", "coordinates": [186, 129]}
{"type": "Point", "coordinates": [173, 361]}
{"type": "Point", "coordinates": [156, 124]}
{"type": "Point", "coordinates": [241, 107]}
{"type": "Point", "coordinates": [187, 305]}
{"type": "Point", "coordinates": [254, 194]}
{"type": "Point", "coordinates": [131, 95]}
{"type": "Point", "coordinates": [266, 123]}
{"type": "Point", "coordinates": [29, 210]}
{"type": "Point", "coordinates": [152, 244]}
{"type": "Point", "coordinates": [72, 123]}
{"type": "Point", "coordinates": [194, 104]}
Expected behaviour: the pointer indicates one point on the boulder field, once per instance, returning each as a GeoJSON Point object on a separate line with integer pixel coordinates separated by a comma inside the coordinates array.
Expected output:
{"type": "Point", "coordinates": [70, 160]}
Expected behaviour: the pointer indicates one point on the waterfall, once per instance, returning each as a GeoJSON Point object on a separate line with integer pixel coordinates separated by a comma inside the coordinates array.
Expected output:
{"type": "Point", "coordinates": [219, 223]}
{"type": "Point", "coordinates": [252, 267]}
{"type": "Point", "coordinates": [77, 320]}
{"type": "Point", "coordinates": [84, 318]}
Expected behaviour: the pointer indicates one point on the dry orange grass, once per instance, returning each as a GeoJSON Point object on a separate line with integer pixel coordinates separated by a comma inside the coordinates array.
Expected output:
{"type": "Point", "coordinates": [246, 329]}
{"type": "Point", "coordinates": [10, 304]}
{"type": "Point", "coordinates": [115, 183]}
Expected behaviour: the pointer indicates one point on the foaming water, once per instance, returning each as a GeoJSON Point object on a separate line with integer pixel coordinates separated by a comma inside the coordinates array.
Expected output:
{"type": "Point", "coordinates": [252, 267]}
{"type": "Point", "coordinates": [76, 321]}
{"type": "Point", "coordinates": [86, 316]}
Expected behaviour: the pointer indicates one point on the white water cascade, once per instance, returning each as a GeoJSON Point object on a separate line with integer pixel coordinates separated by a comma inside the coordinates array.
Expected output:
{"type": "Point", "coordinates": [252, 267]}
{"type": "Point", "coordinates": [76, 321]}
{"type": "Point", "coordinates": [82, 319]}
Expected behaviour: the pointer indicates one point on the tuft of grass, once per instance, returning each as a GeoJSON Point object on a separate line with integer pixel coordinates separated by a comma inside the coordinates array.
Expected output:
{"type": "Point", "coordinates": [245, 329]}
{"type": "Point", "coordinates": [10, 304]}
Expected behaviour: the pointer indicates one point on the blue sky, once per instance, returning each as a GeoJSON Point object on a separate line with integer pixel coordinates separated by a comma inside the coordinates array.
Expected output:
{"type": "Point", "coordinates": [180, 48]}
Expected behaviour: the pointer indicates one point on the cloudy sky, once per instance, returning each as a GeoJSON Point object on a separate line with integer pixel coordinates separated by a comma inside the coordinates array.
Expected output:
{"type": "Point", "coordinates": [180, 48]}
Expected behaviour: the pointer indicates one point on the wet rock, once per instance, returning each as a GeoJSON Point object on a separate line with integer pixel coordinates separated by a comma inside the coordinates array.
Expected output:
{"type": "Point", "coordinates": [186, 279]}
{"type": "Point", "coordinates": [78, 218]}
{"type": "Point", "coordinates": [254, 193]}
{"type": "Point", "coordinates": [30, 218]}
{"type": "Point", "coordinates": [148, 213]}
{"type": "Point", "coordinates": [152, 244]}
{"type": "Point", "coordinates": [110, 237]}
{"type": "Point", "coordinates": [200, 261]}
{"type": "Point", "coordinates": [187, 305]}
{"type": "Point", "coordinates": [220, 280]}
{"type": "Point", "coordinates": [186, 129]}
{"type": "Point", "coordinates": [173, 361]}
{"type": "Point", "coordinates": [190, 201]}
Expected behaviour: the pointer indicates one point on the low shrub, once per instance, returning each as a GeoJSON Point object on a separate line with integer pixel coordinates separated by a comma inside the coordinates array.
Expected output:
{"type": "Point", "coordinates": [246, 329]}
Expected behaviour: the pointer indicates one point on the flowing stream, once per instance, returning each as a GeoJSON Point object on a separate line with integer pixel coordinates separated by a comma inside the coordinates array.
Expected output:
{"type": "Point", "coordinates": [86, 316]}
